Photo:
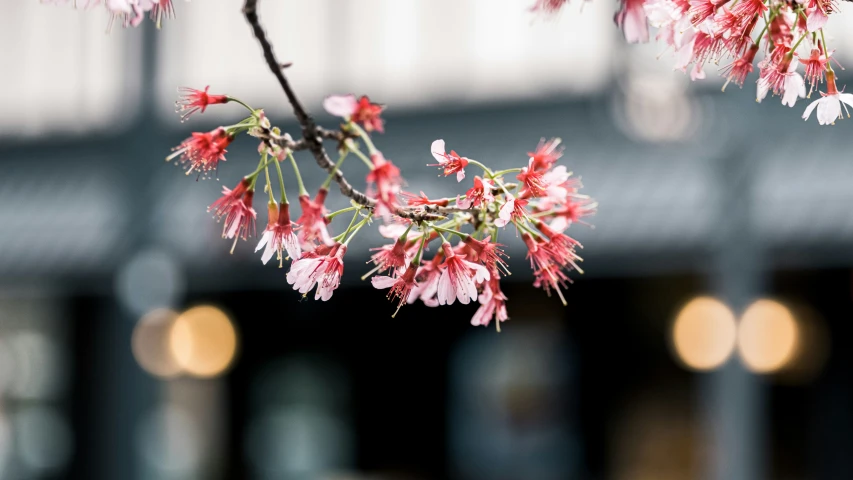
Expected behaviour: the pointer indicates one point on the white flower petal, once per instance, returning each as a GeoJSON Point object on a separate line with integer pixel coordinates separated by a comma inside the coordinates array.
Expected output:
{"type": "Point", "coordinates": [382, 282]}
{"type": "Point", "coordinates": [807, 113]}
{"type": "Point", "coordinates": [437, 149]}
{"type": "Point", "coordinates": [446, 293]}
{"type": "Point", "coordinates": [828, 110]}
{"type": "Point", "coordinates": [340, 105]}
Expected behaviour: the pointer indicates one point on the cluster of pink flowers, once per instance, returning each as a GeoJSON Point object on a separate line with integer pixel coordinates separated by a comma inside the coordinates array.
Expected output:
{"type": "Point", "coordinates": [788, 34]}
{"type": "Point", "coordinates": [130, 13]}
{"type": "Point", "coordinates": [539, 200]}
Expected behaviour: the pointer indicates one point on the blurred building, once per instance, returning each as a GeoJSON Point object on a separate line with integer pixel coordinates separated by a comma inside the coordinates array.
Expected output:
{"type": "Point", "coordinates": [108, 371]}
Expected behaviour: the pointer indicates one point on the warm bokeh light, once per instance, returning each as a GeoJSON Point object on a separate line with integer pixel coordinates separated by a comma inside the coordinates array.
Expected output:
{"type": "Point", "coordinates": [203, 341]}
{"type": "Point", "coordinates": [150, 343]}
{"type": "Point", "coordinates": [704, 334]}
{"type": "Point", "coordinates": [767, 336]}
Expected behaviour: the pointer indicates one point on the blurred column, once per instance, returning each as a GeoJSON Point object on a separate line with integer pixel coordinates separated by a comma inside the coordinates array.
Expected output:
{"type": "Point", "coordinates": [733, 400]}
{"type": "Point", "coordinates": [121, 391]}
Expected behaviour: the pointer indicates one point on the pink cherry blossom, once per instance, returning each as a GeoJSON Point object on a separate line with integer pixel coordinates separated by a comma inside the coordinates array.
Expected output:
{"type": "Point", "coordinates": [401, 287]}
{"type": "Point", "coordinates": [548, 275]}
{"type": "Point", "coordinates": [428, 276]}
{"type": "Point", "coordinates": [830, 104]}
{"type": "Point", "coordinates": [360, 110]}
{"type": "Point", "coordinates": [192, 100]}
{"type": "Point", "coordinates": [560, 246]}
{"type": "Point", "coordinates": [313, 220]}
{"type": "Point", "coordinates": [478, 195]}
{"type": "Point", "coordinates": [572, 212]}
{"type": "Point", "coordinates": [546, 154]}
{"type": "Point", "coordinates": [492, 305]}
{"type": "Point", "coordinates": [450, 162]}
{"type": "Point", "coordinates": [511, 210]}
{"type": "Point", "coordinates": [279, 235]}
{"type": "Point", "coordinates": [390, 257]}
{"type": "Point", "coordinates": [781, 77]}
{"type": "Point", "coordinates": [236, 206]}
{"type": "Point", "coordinates": [322, 271]}
{"type": "Point", "coordinates": [631, 18]}
{"type": "Point", "coordinates": [202, 152]}
{"type": "Point", "coordinates": [384, 182]}
{"type": "Point", "coordinates": [422, 199]}
{"type": "Point", "coordinates": [534, 183]}
{"type": "Point", "coordinates": [459, 278]}
{"type": "Point", "coordinates": [738, 70]}
{"type": "Point", "coordinates": [488, 253]}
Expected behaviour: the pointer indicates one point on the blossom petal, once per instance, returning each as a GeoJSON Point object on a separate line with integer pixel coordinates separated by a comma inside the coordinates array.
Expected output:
{"type": "Point", "coordinates": [446, 292]}
{"type": "Point", "coordinates": [828, 110]}
{"type": "Point", "coordinates": [559, 224]}
{"type": "Point", "coordinates": [382, 282]}
{"type": "Point", "coordinates": [482, 315]}
{"type": "Point", "coordinates": [291, 244]}
{"type": "Point", "coordinates": [268, 253]}
{"type": "Point", "coordinates": [438, 151]}
{"type": "Point", "coordinates": [505, 214]}
{"type": "Point", "coordinates": [460, 175]}
{"type": "Point", "coordinates": [846, 98]}
{"type": "Point", "coordinates": [340, 105]}
{"type": "Point", "coordinates": [816, 20]}
{"type": "Point", "coordinates": [264, 239]}
{"type": "Point", "coordinates": [807, 113]}
{"type": "Point", "coordinates": [463, 202]}
{"type": "Point", "coordinates": [481, 273]}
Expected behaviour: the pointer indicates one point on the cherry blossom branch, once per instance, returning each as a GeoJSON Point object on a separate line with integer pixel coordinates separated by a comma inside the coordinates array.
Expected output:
{"type": "Point", "coordinates": [313, 134]}
{"type": "Point", "coordinates": [469, 271]}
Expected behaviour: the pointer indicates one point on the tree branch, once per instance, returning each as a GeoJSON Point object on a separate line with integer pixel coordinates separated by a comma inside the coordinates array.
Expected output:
{"type": "Point", "coordinates": [312, 134]}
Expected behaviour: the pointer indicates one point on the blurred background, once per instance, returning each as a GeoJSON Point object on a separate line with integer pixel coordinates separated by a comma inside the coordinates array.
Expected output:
{"type": "Point", "coordinates": [709, 338]}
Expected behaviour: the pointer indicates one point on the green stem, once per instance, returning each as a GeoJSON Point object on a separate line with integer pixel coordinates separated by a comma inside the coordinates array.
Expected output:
{"type": "Point", "coordinates": [794, 48]}
{"type": "Point", "coordinates": [343, 210]}
{"type": "Point", "coordinates": [405, 234]}
{"type": "Point", "coordinates": [544, 214]}
{"type": "Point", "coordinates": [502, 186]}
{"type": "Point", "coordinates": [356, 229]}
{"type": "Point", "coordinates": [361, 133]}
{"type": "Point", "coordinates": [523, 226]}
{"type": "Point", "coordinates": [235, 100]}
{"type": "Point", "coordinates": [761, 35]}
{"type": "Point", "coordinates": [443, 239]}
{"type": "Point", "coordinates": [826, 49]}
{"type": "Point", "coordinates": [486, 169]}
{"type": "Point", "coordinates": [363, 158]}
{"type": "Point", "coordinates": [335, 170]}
{"type": "Point", "coordinates": [351, 223]}
{"type": "Point", "coordinates": [449, 230]}
{"type": "Point", "coordinates": [508, 170]}
{"type": "Point", "coordinates": [281, 180]}
{"type": "Point", "coordinates": [417, 260]}
{"type": "Point", "coordinates": [261, 165]}
{"type": "Point", "coordinates": [253, 177]}
{"type": "Point", "coordinates": [302, 190]}
{"type": "Point", "coordinates": [246, 123]}
{"type": "Point", "coordinates": [267, 172]}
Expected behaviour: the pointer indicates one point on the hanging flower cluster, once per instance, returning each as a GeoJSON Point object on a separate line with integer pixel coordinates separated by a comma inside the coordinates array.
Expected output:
{"type": "Point", "coordinates": [788, 35]}
{"type": "Point", "coordinates": [130, 13]}
{"type": "Point", "coordinates": [440, 250]}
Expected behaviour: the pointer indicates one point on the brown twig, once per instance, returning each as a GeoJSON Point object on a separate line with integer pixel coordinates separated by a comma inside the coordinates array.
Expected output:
{"type": "Point", "coordinates": [312, 134]}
